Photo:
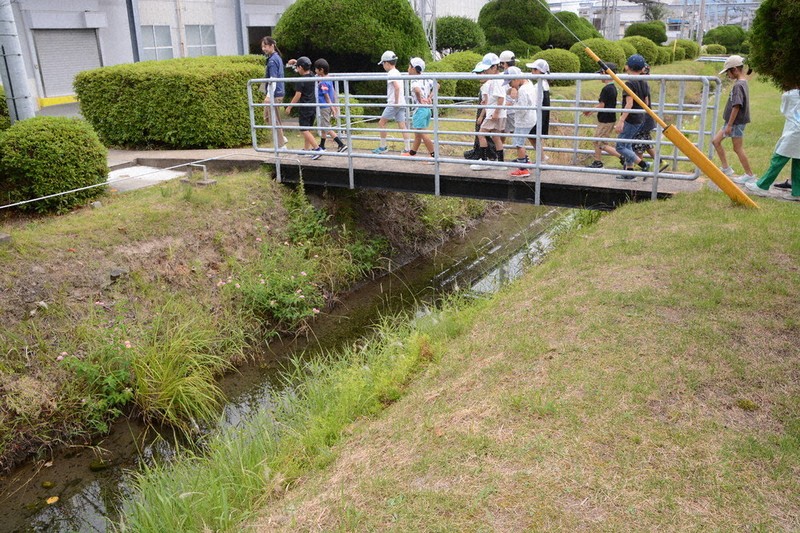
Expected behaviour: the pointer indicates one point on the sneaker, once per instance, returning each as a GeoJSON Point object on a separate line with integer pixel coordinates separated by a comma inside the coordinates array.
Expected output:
{"type": "Point", "coordinates": [545, 158]}
{"type": "Point", "coordinates": [596, 164]}
{"type": "Point", "coordinates": [626, 178]}
{"type": "Point", "coordinates": [755, 189]}
{"type": "Point", "coordinates": [380, 150]}
{"type": "Point", "coordinates": [521, 173]}
{"type": "Point", "coordinates": [478, 167]}
{"type": "Point", "coordinates": [319, 151]}
{"type": "Point", "coordinates": [728, 171]}
{"type": "Point", "coordinates": [783, 185]}
{"type": "Point", "coordinates": [791, 198]}
{"type": "Point", "coordinates": [622, 161]}
{"type": "Point", "coordinates": [342, 148]}
{"type": "Point", "coordinates": [405, 153]}
{"type": "Point", "coordinates": [744, 178]}
{"type": "Point", "coordinates": [647, 166]}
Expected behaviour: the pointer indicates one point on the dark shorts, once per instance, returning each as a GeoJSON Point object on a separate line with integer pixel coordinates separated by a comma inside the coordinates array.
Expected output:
{"type": "Point", "coordinates": [640, 148]}
{"type": "Point", "coordinates": [307, 116]}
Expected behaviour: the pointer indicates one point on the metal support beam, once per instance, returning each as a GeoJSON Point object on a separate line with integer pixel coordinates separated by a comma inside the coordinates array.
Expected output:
{"type": "Point", "coordinates": [15, 81]}
{"type": "Point", "coordinates": [426, 10]}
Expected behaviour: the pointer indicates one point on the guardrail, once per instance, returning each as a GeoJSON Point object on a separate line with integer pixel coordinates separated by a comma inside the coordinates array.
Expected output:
{"type": "Point", "coordinates": [691, 103]}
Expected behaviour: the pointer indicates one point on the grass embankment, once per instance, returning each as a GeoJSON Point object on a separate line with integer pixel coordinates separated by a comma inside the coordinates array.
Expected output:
{"type": "Point", "coordinates": [149, 298]}
{"type": "Point", "coordinates": [646, 376]}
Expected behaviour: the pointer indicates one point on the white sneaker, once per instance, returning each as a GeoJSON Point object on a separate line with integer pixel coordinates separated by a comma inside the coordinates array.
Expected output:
{"type": "Point", "coordinates": [478, 167]}
{"type": "Point", "coordinates": [791, 198]}
{"type": "Point", "coordinates": [728, 171]}
{"type": "Point", "coordinates": [744, 178]}
{"type": "Point", "coordinates": [755, 189]}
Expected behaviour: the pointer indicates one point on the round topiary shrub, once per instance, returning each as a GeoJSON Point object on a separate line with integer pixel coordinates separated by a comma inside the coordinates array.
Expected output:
{"type": "Point", "coordinates": [462, 62]}
{"type": "Point", "coordinates": [715, 49]}
{"type": "Point", "coordinates": [606, 50]}
{"type": "Point", "coordinates": [645, 47]}
{"type": "Point", "coordinates": [680, 54]}
{"type": "Point", "coordinates": [664, 55]}
{"type": "Point", "coordinates": [691, 47]}
{"type": "Point", "coordinates": [627, 47]}
{"type": "Point", "coordinates": [560, 61]}
{"type": "Point", "coordinates": [730, 36]}
{"type": "Point", "coordinates": [561, 38]}
{"type": "Point", "coordinates": [47, 155]}
{"type": "Point", "coordinates": [505, 20]}
{"type": "Point", "coordinates": [655, 30]}
{"type": "Point", "coordinates": [446, 87]}
{"type": "Point", "coordinates": [458, 33]}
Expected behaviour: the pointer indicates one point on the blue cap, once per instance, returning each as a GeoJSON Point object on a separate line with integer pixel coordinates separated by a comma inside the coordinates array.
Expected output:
{"type": "Point", "coordinates": [636, 62]}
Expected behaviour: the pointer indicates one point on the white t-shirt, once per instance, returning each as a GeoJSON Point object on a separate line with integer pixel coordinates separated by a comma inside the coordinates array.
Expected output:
{"type": "Point", "coordinates": [495, 90]}
{"type": "Point", "coordinates": [391, 89]}
{"type": "Point", "coordinates": [526, 97]}
{"type": "Point", "coordinates": [425, 88]}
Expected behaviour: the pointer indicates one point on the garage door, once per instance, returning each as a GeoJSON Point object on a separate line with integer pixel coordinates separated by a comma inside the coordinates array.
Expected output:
{"type": "Point", "coordinates": [62, 54]}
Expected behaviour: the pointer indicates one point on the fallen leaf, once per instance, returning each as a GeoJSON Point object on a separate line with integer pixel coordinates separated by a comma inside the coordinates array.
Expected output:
{"type": "Point", "coordinates": [51, 500]}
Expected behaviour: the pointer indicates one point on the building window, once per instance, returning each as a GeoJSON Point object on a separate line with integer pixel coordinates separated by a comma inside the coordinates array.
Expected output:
{"type": "Point", "coordinates": [156, 43]}
{"type": "Point", "coordinates": [200, 40]}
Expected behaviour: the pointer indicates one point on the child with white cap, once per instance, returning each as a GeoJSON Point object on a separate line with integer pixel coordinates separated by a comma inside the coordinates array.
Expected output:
{"type": "Point", "coordinates": [736, 116]}
{"type": "Point", "coordinates": [525, 116]}
{"type": "Point", "coordinates": [395, 102]}
{"type": "Point", "coordinates": [421, 94]}
{"type": "Point", "coordinates": [540, 66]}
{"type": "Point", "coordinates": [492, 118]}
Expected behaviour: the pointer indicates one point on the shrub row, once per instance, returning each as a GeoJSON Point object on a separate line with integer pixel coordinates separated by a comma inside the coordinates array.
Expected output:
{"type": "Point", "coordinates": [176, 103]}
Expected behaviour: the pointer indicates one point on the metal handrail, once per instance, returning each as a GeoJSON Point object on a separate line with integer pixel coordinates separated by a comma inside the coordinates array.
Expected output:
{"type": "Point", "coordinates": [354, 126]}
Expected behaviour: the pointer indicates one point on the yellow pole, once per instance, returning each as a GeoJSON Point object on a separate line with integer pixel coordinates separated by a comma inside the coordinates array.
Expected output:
{"type": "Point", "coordinates": [683, 144]}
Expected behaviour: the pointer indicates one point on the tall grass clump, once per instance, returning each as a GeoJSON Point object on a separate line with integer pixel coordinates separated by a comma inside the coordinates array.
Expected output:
{"type": "Point", "coordinates": [213, 490]}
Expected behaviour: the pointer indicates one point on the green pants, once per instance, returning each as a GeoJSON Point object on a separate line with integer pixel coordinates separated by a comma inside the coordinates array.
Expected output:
{"type": "Point", "coordinates": [776, 164]}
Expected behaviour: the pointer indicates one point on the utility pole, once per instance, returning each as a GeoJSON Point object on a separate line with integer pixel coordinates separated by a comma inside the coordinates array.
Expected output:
{"type": "Point", "coordinates": [12, 70]}
{"type": "Point", "coordinates": [702, 17]}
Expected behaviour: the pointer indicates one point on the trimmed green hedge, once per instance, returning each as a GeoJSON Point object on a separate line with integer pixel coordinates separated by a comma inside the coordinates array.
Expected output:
{"type": "Point", "coordinates": [691, 47]}
{"type": "Point", "coordinates": [462, 62]}
{"type": "Point", "coordinates": [627, 47]}
{"type": "Point", "coordinates": [5, 116]}
{"type": "Point", "coordinates": [560, 61]}
{"type": "Point", "coordinates": [715, 49]}
{"type": "Point", "coordinates": [680, 54]}
{"type": "Point", "coordinates": [561, 38]}
{"type": "Point", "coordinates": [458, 33]}
{"type": "Point", "coordinates": [655, 30]}
{"type": "Point", "coordinates": [664, 55]}
{"type": "Point", "coordinates": [606, 50]}
{"type": "Point", "coordinates": [46, 155]}
{"type": "Point", "coordinates": [645, 47]}
{"type": "Point", "coordinates": [177, 103]}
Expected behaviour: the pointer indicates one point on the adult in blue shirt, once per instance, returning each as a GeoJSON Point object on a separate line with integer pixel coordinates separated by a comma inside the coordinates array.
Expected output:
{"type": "Point", "coordinates": [275, 90]}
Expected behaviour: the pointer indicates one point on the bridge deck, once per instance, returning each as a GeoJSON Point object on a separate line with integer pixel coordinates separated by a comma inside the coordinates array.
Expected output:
{"type": "Point", "coordinates": [558, 187]}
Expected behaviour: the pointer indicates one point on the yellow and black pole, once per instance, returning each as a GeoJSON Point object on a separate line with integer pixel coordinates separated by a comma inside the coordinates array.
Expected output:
{"type": "Point", "coordinates": [682, 143]}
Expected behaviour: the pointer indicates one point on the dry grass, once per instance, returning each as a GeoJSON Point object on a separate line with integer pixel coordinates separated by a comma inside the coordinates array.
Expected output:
{"type": "Point", "coordinates": [645, 377]}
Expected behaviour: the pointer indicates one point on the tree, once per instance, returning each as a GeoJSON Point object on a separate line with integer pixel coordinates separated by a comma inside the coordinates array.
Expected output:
{"type": "Point", "coordinates": [351, 34]}
{"type": "Point", "coordinates": [654, 30]}
{"type": "Point", "coordinates": [655, 11]}
{"type": "Point", "coordinates": [505, 20]}
{"type": "Point", "coordinates": [774, 46]}
{"type": "Point", "coordinates": [561, 38]}
{"type": "Point", "coordinates": [458, 33]}
{"type": "Point", "coordinates": [730, 36]}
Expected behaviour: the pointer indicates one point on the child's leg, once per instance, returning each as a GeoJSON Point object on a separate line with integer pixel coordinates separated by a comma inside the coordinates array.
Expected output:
{"type": "Point", "coordinates": [428, 142]}
{"type": "Point", "coordinates": [498, 145]}
{"type": "Point", "coordinates": [382, 124]}
{"type": "Point", "coordinates": [717, 142]}
{"type": "Point", "coordinates": [795, 176]}
{"type": "Point", "coordinates": [416, 143]}
{"type": "Point", "coordinates": [482, 139]}
{"type": "Point", "coordinates": [406, 138]}
{"type": "Point", "coordinates": [776, 164]}
{"type": "Point", "coordinates": [309, 140]}
{"type": "Point", "coordinates": [738, 148]}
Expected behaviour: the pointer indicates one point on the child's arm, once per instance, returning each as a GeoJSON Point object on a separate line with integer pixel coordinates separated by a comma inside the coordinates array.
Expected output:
{"type": "Point", "coordinates": [623, 116]}
{"type": "Point", "coordinates": [295, 99]}
{"type": "Point", "coordinates": [397, 92]}
{"type": "Point", "coordinates": [600, 105]}
{"type": "Point", "coordinates": [334, 109]}
{"type": "Point", "coordinates": [734, 113]}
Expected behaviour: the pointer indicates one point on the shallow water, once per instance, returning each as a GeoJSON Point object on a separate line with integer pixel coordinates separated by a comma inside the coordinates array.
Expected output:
{"type": "Point", "coordinates": [497, 251]}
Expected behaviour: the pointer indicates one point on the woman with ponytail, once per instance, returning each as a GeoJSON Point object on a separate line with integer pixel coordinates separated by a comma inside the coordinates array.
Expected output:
{"type": "Point", "coordinates": [275, 90]}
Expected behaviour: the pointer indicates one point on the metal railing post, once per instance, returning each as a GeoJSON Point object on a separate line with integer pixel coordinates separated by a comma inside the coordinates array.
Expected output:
{"type": "Point", "coordinates": [576, 129]}
{"type": "Point", "coordinates": [349, 132]}
{"type": "Point", "coordinates": [436, 177]}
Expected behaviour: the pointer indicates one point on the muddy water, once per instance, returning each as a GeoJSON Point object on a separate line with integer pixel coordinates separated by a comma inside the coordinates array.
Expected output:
{"type": "Point", "coordinates": [91, 482]}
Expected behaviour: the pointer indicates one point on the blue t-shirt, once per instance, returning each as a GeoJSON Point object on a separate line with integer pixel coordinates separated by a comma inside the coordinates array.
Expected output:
{"type": "Point", "coordinates": [323, 88]}
{"type": "Point", "coordinates": [275, 70]}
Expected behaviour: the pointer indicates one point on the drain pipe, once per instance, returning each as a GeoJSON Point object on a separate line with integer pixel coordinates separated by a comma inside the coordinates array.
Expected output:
{"type": "Point", "coordinates": [12, 69]}
{"type": "Point", "coordinates": [135, 29]}
{"type": "Point", "coordinates": [182, 52]}
{"type": "Point", "coordinates": [243, 45]}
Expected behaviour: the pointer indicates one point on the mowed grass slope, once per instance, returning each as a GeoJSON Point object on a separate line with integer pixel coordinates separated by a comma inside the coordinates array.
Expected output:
{"type": "Point", "coordinates": [645, 377]}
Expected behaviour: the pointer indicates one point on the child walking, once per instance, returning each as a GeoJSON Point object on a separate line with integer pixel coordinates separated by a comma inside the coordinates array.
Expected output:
{"type": "Point", "coordinates": [629, 124]}
{"type": "Point", "coordinates": [275, 90]}
{"type": "Point", "coordinates": [524, 117]}
{"type": "Point", "coordinates": [421, 93]}
{"type": "Point", "coordinates": [326, 96]}
{"type": "Point", "coordinates": [492, 117]}
{"type": "Point", "coordinates": [395, 103]}
{"type": "Point", "coordinates": [736, 116]}
{"type": "Point", "coordinates": [605, 119]}
{"type": "Point", "coordinates": [304, 94]}
{"type": "Point", "coordinates": [788, 147]}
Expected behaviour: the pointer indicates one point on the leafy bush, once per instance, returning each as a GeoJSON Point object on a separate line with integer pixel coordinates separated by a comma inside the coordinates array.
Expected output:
{"type": "Point", "coordinates": [691, 47]}
{"type": "Point", "coordinates": [446, 87]}
{"type": "Point", "coordinates": [506, 20]}
{"type": "Point", "coordinates": [561, 38]}
{"type": "Point", "coordinates": [461, 62]}
{"type": "Point", "coordinates": [177, 103]}
{"type": "Point", "coordinates": [46, 155]}
{"type": "Point", "coordinates": [664, 55]}
{"type": "Point", "coordinates": [655, 30]}
{"type": "Point", "coordinates": [605, 50]}
{"type": "Point", "coordinates": [458, 33]}
{"type": "Point", "coordinates": [680, 54]}
{"type": "Point", "coordinates": [729, 36]}
{"type": "Point", "coordinates": [774, 43]}
{"type": "Point", "coordinates": [645, 47]}
{"type": "Point", "coordinates": [5, 116]}
{"type": "Point", "coordinates": [560, 61]}
{"type": "Point", "coordinates": [351, 34]}
{"type": "Point", "coordinates": [715, 49]}
{"type": "Point", "coordinates": [627, 47]}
